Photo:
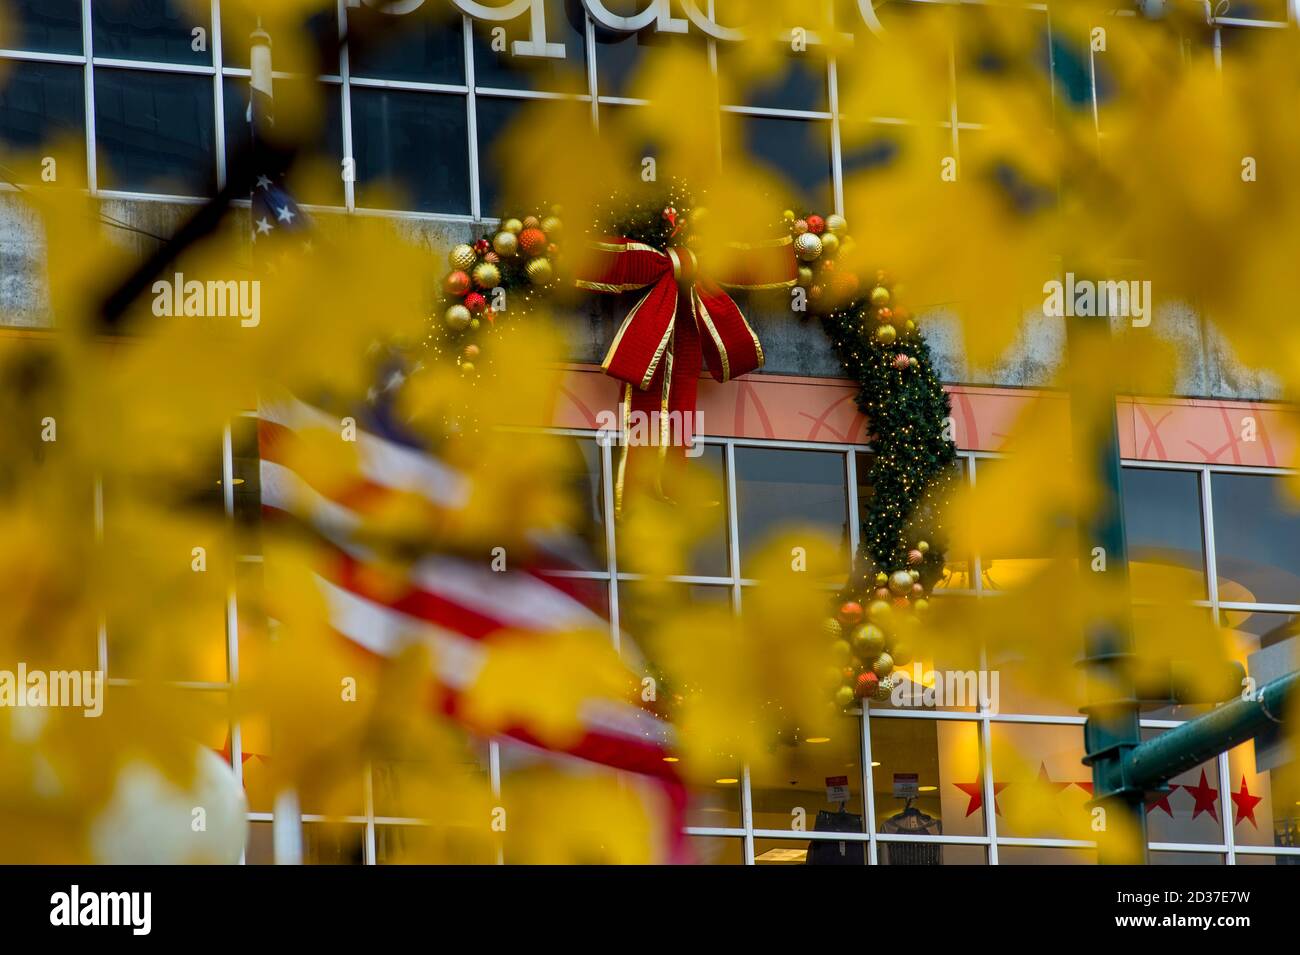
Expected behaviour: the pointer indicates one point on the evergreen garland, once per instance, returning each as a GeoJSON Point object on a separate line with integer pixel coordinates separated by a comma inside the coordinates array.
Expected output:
{"type": "Point", "coordinates": [913, 465]}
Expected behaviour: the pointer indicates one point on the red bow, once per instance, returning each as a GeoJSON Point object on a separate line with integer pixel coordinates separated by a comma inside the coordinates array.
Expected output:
{"type": "Point", "coordinates": [683, 322]}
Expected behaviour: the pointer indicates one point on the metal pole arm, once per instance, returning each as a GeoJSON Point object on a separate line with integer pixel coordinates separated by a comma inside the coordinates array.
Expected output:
{"type": "Point", "coordinates": [1152, 764]}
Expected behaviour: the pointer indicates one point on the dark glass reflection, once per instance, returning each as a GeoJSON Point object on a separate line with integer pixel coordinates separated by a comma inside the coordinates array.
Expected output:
{"type": "Point", "coordinates": [800, 149]}
{"type": "Point", "coordinates": [1256, 539]}
{"type": "Point", "coordinates": [495, 67]}
{"type": "Point", "coordinates": [1162, 523]}
{"type": "Point", "coordinates": [328, 145]}
{"type": "Point", "coordinates": [495, 116]}
{"type": "Point", "coordinates": [154, 132]}
{"type": "Point", "coordinates": [776, 489]}
{"type": "Point", "coordinates": [799, 82]}
{"type": "Point", "coordinates": [320, 31]}
{"type": "Point", "coordinates": [41, 103]}
{"type": "Point", "coordinates": [150, 30]}
{"type": "Point", "coordinates": [426, 45]}
{"type": "Point", "coordinates": [48, 26]}
{"type": "Point", "coordinates": [416, 141]}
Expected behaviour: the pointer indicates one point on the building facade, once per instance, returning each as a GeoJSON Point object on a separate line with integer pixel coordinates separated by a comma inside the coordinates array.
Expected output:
{"type": "Point", "coordinates": [160, 114]}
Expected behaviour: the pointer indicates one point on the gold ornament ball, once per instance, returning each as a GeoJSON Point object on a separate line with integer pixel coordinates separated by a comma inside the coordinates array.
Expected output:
{"type": "Point", "coordinates": [512, 225]}
{"type": "Point", "coordinates": [882, 578]}
{"type": "Point", "coordinates": [832, 628]}
{"type": "Point", "coordinates": [844, 696]}
{"type": "Point", "coordinates": [900, 582]}
{"type": "Point", "coordinates": [879, 611]}
{"type": "Point", "coordinates": [486, 275]}
{"type": "Point", "coordinates": [800, 226]}
{"type": "Point", "coordinates": [840, 652]}
{"type": "Point", "coordinates": [531, 222]}
{"type": "Point", "coordinates": [915, 575]}
{"type": "Point", "coordinates": [879, 296]}
{"type": "Point", "coordinates": [471, 351]}
{"type": "Point", "coordinates": [808, 246]}
{"type": "Point", "coordinates": [552, 226]}
{"type": "Point", "coordinates": [788, 215]}
{"type": "Point", "coordinates": [886, 334]}
{"type": "Point", "coordinates": [805, 276]}
{"type": "Point", "coordinates": [836, 224]}
{"type": "Point", "coordinates": [923, 546]}
{"type": "Point", "coordinates": [868, 641]}
{"type": "Point", "coordinates": [830, 243]}
{"type": "Point", "coordinates": [539, 270]}
{"type": "Point", "coordinates": [467, 368]}
{"type": "Point", "coordinates": [914, 556]}
{"type": "Point", "coordinates": [505, 243]}
{"type": "Point", "coordinates": [457, 318]}
{"type": "Point", "coordinates": [921, 604]}
{"type": "Point", "coordinates": [883, 666]}
{"type": "Point", "coordinates": [902, 654]}
{"type": "Point", "coordinates": [462, 257]}
{"type": "Point", "coordinates": [884, 689]}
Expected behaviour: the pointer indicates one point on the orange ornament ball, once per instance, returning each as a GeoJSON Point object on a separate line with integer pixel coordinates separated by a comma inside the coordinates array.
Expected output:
{"type": "Point", "coordinates": [532, 241]}
{"type": "Point", "coordinates": [850, 613]}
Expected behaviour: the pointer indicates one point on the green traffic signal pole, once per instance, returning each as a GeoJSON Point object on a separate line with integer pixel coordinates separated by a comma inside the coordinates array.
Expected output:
{"type": "Point", "coordinates": [1125, 769]}
{"type": "Point", "coordinates": [1112, 731]}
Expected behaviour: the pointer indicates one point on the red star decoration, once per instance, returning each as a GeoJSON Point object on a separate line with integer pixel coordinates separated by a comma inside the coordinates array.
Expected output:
{"type": "Point", "coordinates": [1086, 787]}
{"type": "Point", "coordinates": [1045, 780]}
{"type": "Point", "coordinates": [1245, 804]}
{"type": "Point", "coordinates": [975, 791]}
{"type": "Point", "coordinates": [1161, 801]}
{"type": "Point", "coordinates": [1206, 798]}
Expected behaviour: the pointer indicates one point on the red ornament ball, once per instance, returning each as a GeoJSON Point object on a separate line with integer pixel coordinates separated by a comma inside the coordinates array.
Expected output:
{"type": "Point", "coordinates": [532, 241]}
{"type": "Point", "coordinates": [902, 362]}
{"type": "Point", "coordinates": [914, 556]}
{"type": "Point", "coordinates": [850, 612]}
{"type": "Point", "coordinates": [457, 283]}
{"type": "Point", "coordinates": [900, 602]}
{"type": "Point", "coordinates": [883, 315]}
{"type": "Point", "coordinates": [816, 225]}
{"type": "Point", "coordinates": [866, 685]}
{"type": "Point", "coordinates": [475, 302]}
{"type": "Point", "coordinates": [882, 593]}
{"type": "Point", "coordinates": [917, 590]}
{"type": "Point", "coordinates": [481, 246]}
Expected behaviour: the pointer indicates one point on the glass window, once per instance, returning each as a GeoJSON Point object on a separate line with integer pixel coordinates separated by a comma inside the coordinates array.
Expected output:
{"type": "Point", "coordinates": [497, 66]}
{"type": "Point", "coordinates": [50, 26]}
{"type": "Point", "coordinates": [621, 57]}
{"type": "Point", "coordinates": [1162, 524]}
{"type": "Point", "coordinates": [900, 853]}
{"type": "Point", "coordinates": [817, 787]}
{"type": "Point", "coordinates": [798, 81]}
{"type": "Point", "coordinates": [1035, 855]}
{"type": "Point", "coordinates": [1044, 786]}
{"type": "Point", "coordinates": [320, 31]}
{"type": "Point", "coordinates": [495, 116]}
{"type": "Point", "coordinates": [1192, 810]}
{"type": "Point", "coordinates": [1263, 792]}
{"type": "Point", "coordinates": [326, 843]}
{"type": "Point", "coordinates": [426, 45]}
{"type": "Point", "coordinates": [778, 489]}
{"type": "Point", "coordinates": [154, 132]}
{"type": "Point", "coordinates": [716, 850]}
{"type": "Point", "coordinates": [1256, 539]}
{"type": "Point", "coordinates": [327, 190]}
{"type": "Point", "coordinates": [707, 521]}
{"type": "Point", "coordinates": [926, 777]}
{"type": "Point", "coordinates": [434, 845]}
{"type": "Point", "coordinates": [810, 852]}
{"type": "Point", "coordinates": [160, 30]}
{"type": "Point", "coordinates": [41, 104]}
{"type": "Point", "coordinates": [799, 150]}
{"type": "Point", "coordinates": [415, 142]}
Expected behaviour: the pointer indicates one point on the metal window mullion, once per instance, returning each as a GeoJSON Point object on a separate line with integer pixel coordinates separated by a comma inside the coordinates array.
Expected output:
{"type": "Point", "coordinates": [611, 541]}
{"type": "Point", "coordinates": [1225, 803]}
{"type": "Point", "coordinates": [869, 787]}
{"type": "Point", "coordinates": [368, 795]}
{"type": "Point", "coordinates": [101, 628]}
{"type": "Point", "coordinates": [88, 51]}
{"type": "Point", "coordinates": [218, 94]}
{"type": "Point", "coordinates": [494, 779]}
{"type": "Point", "coordinates": [990, 796]}
{"type": "Point", "coordinates": [471, 118]}
{"type": "Point", "coordinates": [1210, 558]}
{"type": "Point", "coordinates": [345, 110]}
{"type": "Point", "coordinates": [833, 101]}
{"type": "Point", "coordinates": [747, 815]}
{"type": "Point", "coordinates": [733, 528]}
{"type": "Point", "coordinates": [232, 604]}
{"type": "Point", "coordinates": [593, 75]}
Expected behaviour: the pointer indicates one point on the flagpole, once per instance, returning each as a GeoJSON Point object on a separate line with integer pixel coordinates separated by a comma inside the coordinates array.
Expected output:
{"type": "Point", "coordinates": [286, 812]}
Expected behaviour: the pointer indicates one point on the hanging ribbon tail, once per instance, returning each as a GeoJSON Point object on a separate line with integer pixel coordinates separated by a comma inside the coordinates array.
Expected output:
{"type": "Point", "coordinates": [730, 347]}
{"type": "Point", "coordinates": [642, 340]}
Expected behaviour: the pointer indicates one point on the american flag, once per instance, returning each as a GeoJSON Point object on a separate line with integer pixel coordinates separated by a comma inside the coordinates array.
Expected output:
{"type": "Point", "coordinates": [458, 608]}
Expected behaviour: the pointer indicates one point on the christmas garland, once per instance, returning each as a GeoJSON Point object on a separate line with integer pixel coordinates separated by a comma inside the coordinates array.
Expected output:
{"type": "Point", "coordinates": [900, 557]}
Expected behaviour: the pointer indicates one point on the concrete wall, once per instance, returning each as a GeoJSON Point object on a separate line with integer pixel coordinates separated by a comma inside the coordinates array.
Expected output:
{"type": "Point", "coordinates": [1206, 365]}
